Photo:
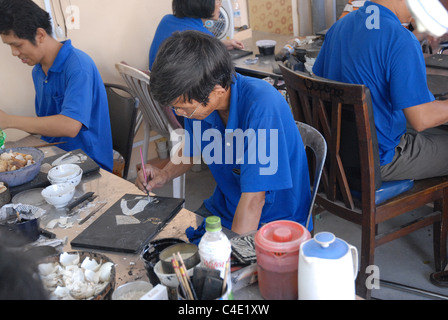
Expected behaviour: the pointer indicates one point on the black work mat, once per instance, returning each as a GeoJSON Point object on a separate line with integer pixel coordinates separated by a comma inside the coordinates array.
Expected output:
{"type": "Point", "coordinates": [437, 61]}
{"type": "Point", "coordinates": [107, 233]}
{"type": "Point", "coordinates": [89, 166]}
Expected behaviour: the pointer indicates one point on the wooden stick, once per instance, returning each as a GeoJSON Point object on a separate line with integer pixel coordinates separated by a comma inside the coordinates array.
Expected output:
{"type": "Point", "coordinates": [190, 285]}
{"type": "Point", "coordinates": [49, 144]}
{"type": "Point", "coordinates": [179, 277]}
{"type": "Point", "coordinates": [184, 278]}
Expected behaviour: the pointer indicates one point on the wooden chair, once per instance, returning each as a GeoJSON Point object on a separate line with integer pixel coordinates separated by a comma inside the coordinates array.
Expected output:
{"type": "Point", "coordinates": [123, 114]}
{"type": "Point", "coordinates": [155, 117]}
{"type": "Point", "coordinates": [343, 114]}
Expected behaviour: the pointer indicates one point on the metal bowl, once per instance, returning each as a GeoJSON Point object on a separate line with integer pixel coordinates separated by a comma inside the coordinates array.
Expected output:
{"type": "Point", "coordinates": [188, 251]}
{"type": "Point", "coordinates": [25, 174]}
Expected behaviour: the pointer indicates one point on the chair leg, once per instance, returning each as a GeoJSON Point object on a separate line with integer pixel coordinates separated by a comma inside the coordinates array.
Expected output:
{"type": "Point", "coordinates": [440, 233]}
{"type": "Point", "coordinates": [146, 139]}
{"type": "Point", "coordinates": [367, 256]}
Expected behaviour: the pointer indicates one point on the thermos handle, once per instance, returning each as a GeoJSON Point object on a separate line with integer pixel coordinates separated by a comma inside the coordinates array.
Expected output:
{"type": "Point", "coordinates": [354, 252]}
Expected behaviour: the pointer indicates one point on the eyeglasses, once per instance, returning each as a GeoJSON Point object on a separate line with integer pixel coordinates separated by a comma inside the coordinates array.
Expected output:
{"type": "Point", "coordinates": [182, 112]}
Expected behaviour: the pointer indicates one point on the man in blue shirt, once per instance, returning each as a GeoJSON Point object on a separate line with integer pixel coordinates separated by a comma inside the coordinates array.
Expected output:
{"type": "Point", "coordinates": [370, 46]}
{"type": "Point", "coordinates": [71, 102]}
{"type": "Point", "coordinates": [188, 15]}
{"type": "Point", "coordinates": [243, 129]}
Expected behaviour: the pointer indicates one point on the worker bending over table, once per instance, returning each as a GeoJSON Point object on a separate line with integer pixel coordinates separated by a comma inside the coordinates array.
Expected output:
{"type": "Point", "coordinates": [371, 47]}
{"type": "Point", "coordinates": [241, 126]}
{"type": "Point", "coordinates": [71, 101]}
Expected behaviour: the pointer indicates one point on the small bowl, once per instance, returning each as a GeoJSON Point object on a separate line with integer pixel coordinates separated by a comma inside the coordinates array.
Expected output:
{"type": "Point", "coordinates": [132, 290]}
{"type": "Point", "coordinates": [74, 181]}
{"type": "Point", "coordinates": [266, 47]}
{"type": "Point", "coordinates": [71, 173]}
{"type": "Point", "coordinates": [188, 251]}
{"type": "Point", "coordinates": [25, 174]}
{"type": "Point", "coordinates": [59, 195]}
{"type": "Point", "coordinates": [168, 279]}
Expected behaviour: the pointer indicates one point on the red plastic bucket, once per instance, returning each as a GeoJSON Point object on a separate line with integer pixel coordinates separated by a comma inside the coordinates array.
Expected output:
{"type": "Point", "coordinates": [277, 248]}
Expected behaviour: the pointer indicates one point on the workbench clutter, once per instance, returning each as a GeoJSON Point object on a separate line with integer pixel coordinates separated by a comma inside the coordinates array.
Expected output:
{"type": "Point", "coordinates": [192, 272]}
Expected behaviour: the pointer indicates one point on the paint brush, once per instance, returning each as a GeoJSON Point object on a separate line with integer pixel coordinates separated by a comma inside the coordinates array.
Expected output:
{"type": "Point", "coordinates": [144, 174]}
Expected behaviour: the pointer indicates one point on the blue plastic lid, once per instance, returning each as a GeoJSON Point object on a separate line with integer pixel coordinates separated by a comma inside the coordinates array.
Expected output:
{"type": "Point", "coordinates": [325, 245]}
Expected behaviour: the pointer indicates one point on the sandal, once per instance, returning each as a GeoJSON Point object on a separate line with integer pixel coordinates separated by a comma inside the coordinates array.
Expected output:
{"type": "Point", "coordinates": [439, 279]}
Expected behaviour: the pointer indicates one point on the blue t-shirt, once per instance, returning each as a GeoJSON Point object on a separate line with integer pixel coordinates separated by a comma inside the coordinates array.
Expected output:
{"type": "Point", "coordinates": [260, 149]}
{"type": "Point", "coordinates": [170, 24]}
{"type": "Point", "coordinates": [380, 53]}
{"type": "Point", "coordinates": [74, 88]}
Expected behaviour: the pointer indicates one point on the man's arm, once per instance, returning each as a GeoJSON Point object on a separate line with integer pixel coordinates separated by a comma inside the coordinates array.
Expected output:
{"type": "Point", "coordinates": [427, 115]}
{"type": "Point", "coordinates": [51, 126]}
{"type": "Point", "coordinates": [248, 212]}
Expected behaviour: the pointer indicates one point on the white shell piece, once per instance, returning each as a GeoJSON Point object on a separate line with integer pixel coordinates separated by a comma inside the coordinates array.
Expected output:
{"type": "Point", "coordinates": [92, 276]}
{"type": "Point", "coordinates": [67, 259]}
{"type": "Point", "coordinates": [61, 292]}
{"type": "Point", "coordinates": [90, 264]}
{"type": "Point", "coordinates": [105, 270]}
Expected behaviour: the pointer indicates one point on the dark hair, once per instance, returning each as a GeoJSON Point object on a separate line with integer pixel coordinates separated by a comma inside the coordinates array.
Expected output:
{"type": "Point", "coordinates": [190, 64]}
{"type": "Point", "coordinates": [23, 17]}
{"type": "Point", "coordinates": [203, 9]}
{"type": "Point", "coordinates": [19, 276]}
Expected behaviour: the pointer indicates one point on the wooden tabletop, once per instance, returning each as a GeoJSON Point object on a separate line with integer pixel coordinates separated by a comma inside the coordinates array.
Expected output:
{"type": "Point", "coordinates": [110, 188]}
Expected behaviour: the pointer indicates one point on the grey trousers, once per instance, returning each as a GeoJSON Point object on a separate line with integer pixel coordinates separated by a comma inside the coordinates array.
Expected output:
{"type": "Point", "coordinates": [419, 155]}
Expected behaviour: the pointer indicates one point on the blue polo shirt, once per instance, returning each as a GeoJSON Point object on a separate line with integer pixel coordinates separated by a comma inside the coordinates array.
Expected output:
{"type": "Point", "coordinates": [380, 53]}
{"type": "Point", "coordinates": [260, 149]}
{"type": "Point", "coordinates": [167, 26]}
{"type": "Point", "coordinates": [74, 88]}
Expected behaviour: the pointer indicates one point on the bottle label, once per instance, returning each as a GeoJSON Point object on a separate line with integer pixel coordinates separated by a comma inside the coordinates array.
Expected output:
{"type": "Point", "coordinates": [290, 48]}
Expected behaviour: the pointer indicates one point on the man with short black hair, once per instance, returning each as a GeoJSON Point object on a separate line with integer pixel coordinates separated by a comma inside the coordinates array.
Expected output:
{"type": "Point", "coordinates": [242, 127]}
{"type": "Point", "coordinates": [71, 101]}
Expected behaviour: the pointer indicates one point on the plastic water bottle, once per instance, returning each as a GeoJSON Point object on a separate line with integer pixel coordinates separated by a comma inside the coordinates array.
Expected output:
{"type": "Point", "coordinates": [287, 50]}
{"type": "Point", "coordinates": [215, 248]}
{"type": "Point", "coordinates": [236, 14]}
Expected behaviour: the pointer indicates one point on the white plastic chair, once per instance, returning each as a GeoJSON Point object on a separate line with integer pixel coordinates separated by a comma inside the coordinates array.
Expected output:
{"type": "Point", "coordinates": [153, 115]}
{"type": "Point", "coordinates": [314, 140]}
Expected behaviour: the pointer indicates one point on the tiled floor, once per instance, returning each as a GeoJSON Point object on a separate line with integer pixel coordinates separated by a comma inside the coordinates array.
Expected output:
{"type": "Point", "coordinates": [407, 261]}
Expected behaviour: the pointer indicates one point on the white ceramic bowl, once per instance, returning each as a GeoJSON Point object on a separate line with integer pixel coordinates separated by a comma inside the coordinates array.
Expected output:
{"type": "Point", "coordinates": [65, 173]}
{"type": "Point", "coordinates": [132, 290]}
{"type": "Point", "coordinates": [59, 195]}
{"type": "Point", "coordinates": [169, 279]}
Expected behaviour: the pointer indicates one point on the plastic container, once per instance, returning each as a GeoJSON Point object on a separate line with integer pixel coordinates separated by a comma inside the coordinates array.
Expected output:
{"type": "Point", "coordinates": [215, 248]}
{"type": "Point", "coordinates": [277, 247]}
{"type": "Point", "coordinates": [266, 47]}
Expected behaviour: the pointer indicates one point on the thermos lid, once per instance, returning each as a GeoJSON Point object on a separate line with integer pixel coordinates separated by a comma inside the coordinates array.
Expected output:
{"type": "Point", "coordinates": [325, 245]}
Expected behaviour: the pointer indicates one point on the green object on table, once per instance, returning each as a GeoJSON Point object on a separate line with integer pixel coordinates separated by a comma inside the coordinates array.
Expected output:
{"type": "Point", "coordinates": [2, 139]}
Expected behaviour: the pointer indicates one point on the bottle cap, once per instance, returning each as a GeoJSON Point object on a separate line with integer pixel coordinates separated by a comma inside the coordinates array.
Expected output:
{"type": "Point", "coordinates": [213, 224]}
